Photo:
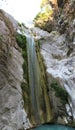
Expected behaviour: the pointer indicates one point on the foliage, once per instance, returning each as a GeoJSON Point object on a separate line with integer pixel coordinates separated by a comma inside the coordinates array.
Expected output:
{"type": "Point", "coordinates": [45, 13]}
{"type": "Point", "coordinates": [1, 37]}
{"type": "Point", "coordinates": [43, 3]}
{"type": "Point", "coordinates": [21, 40]}
{"type": "Point", "coordinates": [24, 87]}
{"type": "Point", "coordinates": [24, 54]}
{"type": "Point", "coordinates": [60, 92]}
{"type": "Point", "coordinates": [44, 18]}
{"type": "Point", "coordinates": [19, 24]}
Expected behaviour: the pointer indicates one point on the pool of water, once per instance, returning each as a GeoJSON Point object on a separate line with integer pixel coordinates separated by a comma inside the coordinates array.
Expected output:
{"type": "Point", "coordinates": [54, 127]}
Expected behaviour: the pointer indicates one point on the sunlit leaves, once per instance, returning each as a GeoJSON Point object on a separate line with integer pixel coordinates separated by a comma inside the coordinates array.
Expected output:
{"type": "Point", "coordinates": [43, 3]}
{"type": "Point", "coordinates": [43, 16]}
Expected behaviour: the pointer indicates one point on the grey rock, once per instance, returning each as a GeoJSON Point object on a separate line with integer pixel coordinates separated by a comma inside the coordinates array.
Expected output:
{"type": "Point", "coordinates": [12, 113]}
{"type": "Point", "coordinates": [59, 66]}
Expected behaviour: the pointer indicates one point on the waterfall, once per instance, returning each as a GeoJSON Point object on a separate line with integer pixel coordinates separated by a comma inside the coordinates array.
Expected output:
{"type": "Point", "coordinates": [40, 105]}
{"type": "Point", "coordinates": [34, 77]}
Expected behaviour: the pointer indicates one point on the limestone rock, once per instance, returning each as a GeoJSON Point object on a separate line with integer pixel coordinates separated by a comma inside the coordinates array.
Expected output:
{"type": "Point", "coordinates": [12, 113]}
{"type": "Point", "coordinates": [59, 67]}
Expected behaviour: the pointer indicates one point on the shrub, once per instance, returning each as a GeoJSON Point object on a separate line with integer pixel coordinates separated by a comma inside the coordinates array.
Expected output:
{"type": "Point", "coordinates": [24, 87]}
{"type": "Point", "coordinates": [21, 40]}
{"type": "Point", "coordinates": [60, 92]}
{"type": "Point", "coordinates": [24, 54]}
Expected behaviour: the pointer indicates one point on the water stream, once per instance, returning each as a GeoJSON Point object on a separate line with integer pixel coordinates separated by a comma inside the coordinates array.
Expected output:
{"type": "Point", "coordinates": [34, 77]}
{"type": "Point", "coordinates": [40, 105]}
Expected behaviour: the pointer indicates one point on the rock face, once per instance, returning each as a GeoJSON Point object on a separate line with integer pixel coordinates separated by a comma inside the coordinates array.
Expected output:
{"type": "Point", "coordinates": [58, 51]}
{"type": "Point", "coordinates": [60, 68]}
{"type": "Point", "coordinates": [12, 113]}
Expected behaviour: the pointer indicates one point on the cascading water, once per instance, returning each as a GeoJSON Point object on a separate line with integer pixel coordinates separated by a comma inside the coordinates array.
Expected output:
{"type": "Point", "coordinates": [40, 104]}
{"type": "Point", "coordinates": [34, 79]}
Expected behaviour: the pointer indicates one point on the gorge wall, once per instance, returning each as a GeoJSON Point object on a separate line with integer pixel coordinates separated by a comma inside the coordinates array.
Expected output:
{"type": "Point", "coordinates": [58, 51]}
{"type": "Point", "coordinates": [55, 51]}
{"type": "Point", "coordinates": [15, 95]}
{"type": "Point", "coordinates": [12, 113]}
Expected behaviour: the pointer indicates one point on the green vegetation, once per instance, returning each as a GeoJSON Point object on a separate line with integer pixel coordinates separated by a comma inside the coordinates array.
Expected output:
{"type": "Point", "coordinates": [24, 54]}
{"type": "Point", "coordinates": [60, 92]}
{"type": "Point", "coordinates": [44, 14]}
{"type": "Point", "coordinates": [24, 87]}
{"type": "Point", "coordinates": [44, 18]}
{"type": "Point", "coordinates": [43, 2]}
{"type": "Point", "coordinates": [19, 24]}
{"type": "Point", "coordinates": [1, 37]}
{"type": "Point", "coordinates": [21, 40]}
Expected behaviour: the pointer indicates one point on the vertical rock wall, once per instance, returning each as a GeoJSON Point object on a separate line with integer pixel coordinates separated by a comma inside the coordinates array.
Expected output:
{"type": "Point", "coordinates": [12, 113]}
{"type": "Point", "coordinates": [60, 70]}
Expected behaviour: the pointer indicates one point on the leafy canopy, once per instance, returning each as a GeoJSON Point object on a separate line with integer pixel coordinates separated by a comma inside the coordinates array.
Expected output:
{"type": "Point", "coordinates": [44, 15]}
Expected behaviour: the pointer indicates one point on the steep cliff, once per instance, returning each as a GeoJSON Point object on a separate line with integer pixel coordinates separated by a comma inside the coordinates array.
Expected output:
{"type": "Point", "coordinates": [12, 113]}
{"type": "Point", "coordinates": [58, 51]}
{"type": "Point", "coordinates": [60, 72]}
{"type": "Point", "coordinates": [55, 52]}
